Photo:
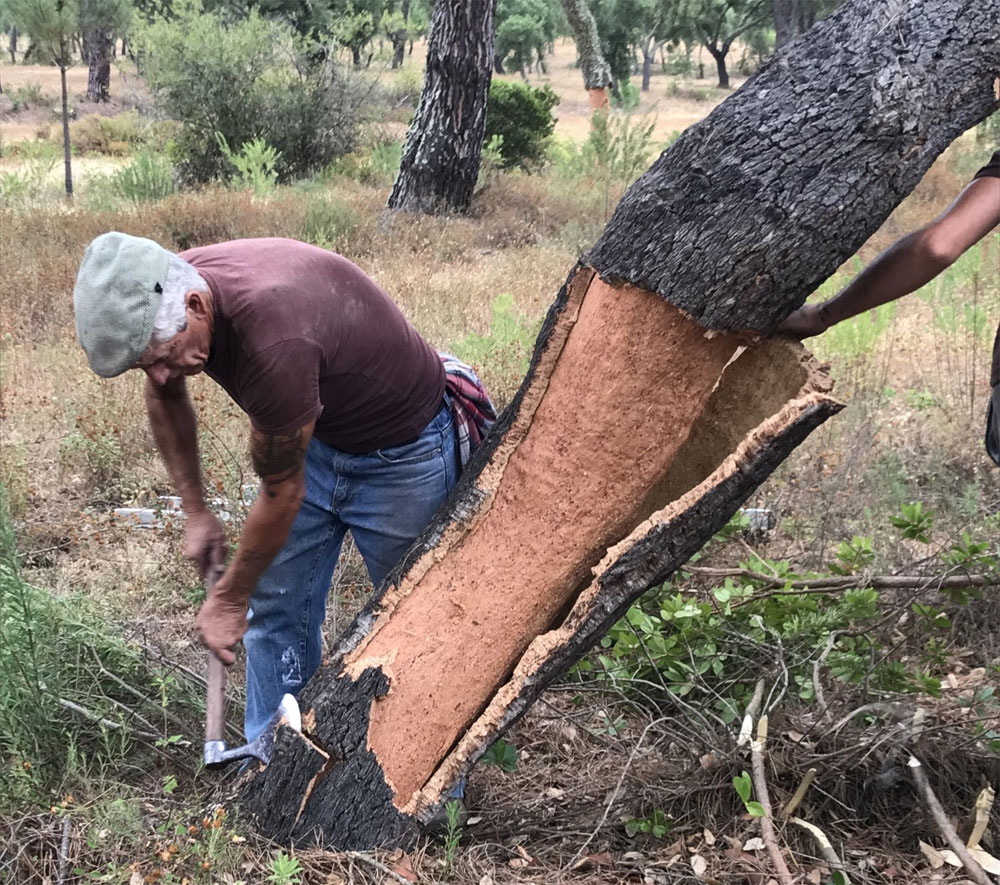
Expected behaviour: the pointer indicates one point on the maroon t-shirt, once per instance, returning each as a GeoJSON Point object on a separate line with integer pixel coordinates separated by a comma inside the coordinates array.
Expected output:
{"type": "Point", "coordinates": [301, 334]}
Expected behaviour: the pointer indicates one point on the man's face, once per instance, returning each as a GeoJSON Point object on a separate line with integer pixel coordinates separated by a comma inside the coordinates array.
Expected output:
{"type": "Point", "coordinates": [187, 352]}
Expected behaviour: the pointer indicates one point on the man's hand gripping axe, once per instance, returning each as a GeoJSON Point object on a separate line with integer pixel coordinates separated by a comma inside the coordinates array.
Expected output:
{"type": "Point", "coordinates": [217, 755]}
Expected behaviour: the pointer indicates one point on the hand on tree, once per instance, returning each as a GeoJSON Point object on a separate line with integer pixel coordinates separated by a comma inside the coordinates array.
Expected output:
{"type": "Point", "coordinates": [205, 542]}
{"type": "Point", "coordinates": [803, 323]}
{"type": "Point", "coordinates": [221, 623]}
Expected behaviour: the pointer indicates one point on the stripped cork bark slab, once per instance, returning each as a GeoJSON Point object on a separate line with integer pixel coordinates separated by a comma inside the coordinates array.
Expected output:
{"type": "Point", "coordinates": [609, 470]}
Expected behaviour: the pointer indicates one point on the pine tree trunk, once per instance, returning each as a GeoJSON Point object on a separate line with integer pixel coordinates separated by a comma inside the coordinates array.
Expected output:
{"type": "Point", "coordinates": [596, 71]}
{"type": "Point", "coordinates": [67, 158]}
{"type": "Point", "coordinates": [440, 162]}
{"type": "Point", "coordinates": [605, 474]}
{"type": "Point", "coordinates": [97, 52]}
{"type": "Point", "coordinates": [12, 46]}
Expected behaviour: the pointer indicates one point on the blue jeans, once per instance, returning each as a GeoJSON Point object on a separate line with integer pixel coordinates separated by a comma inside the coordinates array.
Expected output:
{"type": "Point", "coordinates": [386, 498]}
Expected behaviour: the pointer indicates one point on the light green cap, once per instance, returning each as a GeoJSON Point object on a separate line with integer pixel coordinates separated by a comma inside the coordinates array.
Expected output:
{"type": "Point", "coordinates": [117, 294]}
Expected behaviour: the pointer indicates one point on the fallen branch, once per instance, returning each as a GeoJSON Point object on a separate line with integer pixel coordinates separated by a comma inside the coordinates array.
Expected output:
{"type": "Point", "coordinates": [767, 821]}
{"type": "Point", "coordinates": [800, 793]}
{"type": "Point", "coordinates": [378, 865]}
{"type": "Point", "coordinates": [850, 582]}
{"type": "Point", "coordinates": [64, 850]}
{"type": "Point", "coordinates": [972, 867]}
{"type": "Point", "coordinates": [825, 846]}
{"type": "Point", "coordinates": [984, 805]}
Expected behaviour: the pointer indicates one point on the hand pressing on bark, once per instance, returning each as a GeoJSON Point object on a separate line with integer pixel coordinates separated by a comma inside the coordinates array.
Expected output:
{"type": "Point", "coordinates": [807, 321]}
{"type": "Point", "coordinates": [912, 261]}
{"type": "Point", "coordinates": [221, 622]}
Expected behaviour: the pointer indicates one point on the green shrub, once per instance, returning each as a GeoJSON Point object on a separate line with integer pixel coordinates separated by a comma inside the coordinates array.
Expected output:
{"type": "Point", "coordinates": [522, 116]}
{"type": "Point", "coordinates": [24, 97]}
{"type": "Point", "coordinates": [254, 164]}
{"type": "Point", "coordinates": [106, 135]}
{"type": "Point", "coordinates": [246, 79]}
{"type": "Point", "coordinates": [147, 178]}
{"type": "Point", "coordinates": [627, 96]}
{"type": "Point", "coordinates": [328, 222]}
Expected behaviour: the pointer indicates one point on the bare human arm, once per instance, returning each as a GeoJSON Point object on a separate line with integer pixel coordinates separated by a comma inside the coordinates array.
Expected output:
{"type": "Point", "coordinates": [909, 263]}
{"type": "Point", "coordinates": [175, 429]}
{"type": "Point", "coordinates": [280, 461]}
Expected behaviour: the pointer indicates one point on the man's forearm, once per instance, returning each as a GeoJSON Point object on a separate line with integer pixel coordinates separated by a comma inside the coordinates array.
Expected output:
{"type": "Point", "coordinates": [901, 269]}
{"type": "Point", "coordinates": [175, 430]}
{"type": "Point", "coordinates": [264, 534]}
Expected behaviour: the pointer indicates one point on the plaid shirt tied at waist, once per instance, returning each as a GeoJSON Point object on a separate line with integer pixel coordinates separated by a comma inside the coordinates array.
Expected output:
{"type": "Point", "coordinates": [471, 409]}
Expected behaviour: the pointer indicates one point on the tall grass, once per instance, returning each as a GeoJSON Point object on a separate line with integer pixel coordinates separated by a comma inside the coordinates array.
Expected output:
{"type": "Point", "coordinates": [74, 696]}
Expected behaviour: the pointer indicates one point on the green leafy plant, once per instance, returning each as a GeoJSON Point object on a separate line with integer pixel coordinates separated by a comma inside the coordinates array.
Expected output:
{"type": "Point", "coordinates": [246, 77]}
{"type": "Point", "coordinates": [627, 97]}
{"type": "Point", "coordinates": [657, 825]}
{"type": "Point", "coordinates": [25, 96]}
{"type": "Point", "coordinates": [255, 164]}
{"type": "Point", "coordinates": [853, 556]}
{"type": "Point", "coordinates": [453, 834]}
{"type": "Point", "coordinates": [744, 789]}
{"type": "Point", "coordinates": [522, 116]}
{"type": "Point", "coordinates": [502, 755]}
{"type": "Point", "coordinates": [914, 522]}
{"type": "Point", "coordinates": [285, 869]}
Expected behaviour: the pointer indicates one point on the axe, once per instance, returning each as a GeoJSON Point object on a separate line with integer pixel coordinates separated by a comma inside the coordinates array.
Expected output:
{"type": "Point", "coordinates": [217, 754]}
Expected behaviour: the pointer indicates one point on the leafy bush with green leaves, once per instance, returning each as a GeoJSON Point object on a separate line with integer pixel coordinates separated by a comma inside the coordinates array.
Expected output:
{"type": "Point", "coordinates": [522, 116]}
{"type": "Point", "coordinates": [248, 79]}
{"type": "Point", "coordinates": [710, 652]}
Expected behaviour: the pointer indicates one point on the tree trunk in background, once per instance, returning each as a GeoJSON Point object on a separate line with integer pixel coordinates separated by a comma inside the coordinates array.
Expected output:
{"type": "Point", "coordinates": [792, 18]}
{"type": "Point", "coordinates": [440, 161]}
{"type": "Point", "coordinates": [67, 157]}
{"type": "Point", "coordinates": [604, 475]}
{"type": "Point", "coordinates": [596, 71]}
{"type": "Point", "coordinates": [647, 66]}
{"type": "Point", "coordinates": [12, 46]}
{"type": "Point", "coordinates": [97, 52]}
{"type": "Point", "coordinates": [720, 63]}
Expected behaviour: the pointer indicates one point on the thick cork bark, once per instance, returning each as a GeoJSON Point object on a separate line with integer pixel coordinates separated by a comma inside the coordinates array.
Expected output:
{"type": "Point", "coordinates": [507, 589]}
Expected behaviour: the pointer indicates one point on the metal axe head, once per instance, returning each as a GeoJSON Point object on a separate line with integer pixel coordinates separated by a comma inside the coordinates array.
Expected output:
{"type": "Point", "coordinates": [218, 755]}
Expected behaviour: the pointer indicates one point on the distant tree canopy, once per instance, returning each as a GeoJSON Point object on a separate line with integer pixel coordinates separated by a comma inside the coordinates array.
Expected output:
{"type": "Point", "coordinates": [524, 30]}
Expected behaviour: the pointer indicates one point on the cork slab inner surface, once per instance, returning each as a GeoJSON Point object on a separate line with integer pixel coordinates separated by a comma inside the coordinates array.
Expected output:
{"type": "Point", "coordinates": [578, 482]}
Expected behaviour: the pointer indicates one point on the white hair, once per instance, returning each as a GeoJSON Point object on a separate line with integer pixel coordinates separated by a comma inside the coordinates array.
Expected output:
{"type": "Point", "coordinates": [171, 317]}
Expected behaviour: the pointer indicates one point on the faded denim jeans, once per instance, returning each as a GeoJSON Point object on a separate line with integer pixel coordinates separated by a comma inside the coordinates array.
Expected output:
{"type": "Point", "coordinates": [386, 498]}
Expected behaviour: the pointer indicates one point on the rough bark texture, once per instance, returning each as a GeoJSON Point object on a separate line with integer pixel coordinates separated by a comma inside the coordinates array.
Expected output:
{"type": "Point", "coordinates": [753, 207]}
{"type": "Point", "coordinates": [596, 71]}
{"type": "Point", "coordinates": [97, 52]}
{"type": "Point", "coordinates": [604, 475]}
{"type": "Point", "coordinates": [792, 18]}
{"type": "Point", "coordinates": [440, 161]}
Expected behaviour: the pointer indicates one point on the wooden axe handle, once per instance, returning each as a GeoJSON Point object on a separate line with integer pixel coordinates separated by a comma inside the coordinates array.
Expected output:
{"type": "Point", "coordinates": [215, 703]}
